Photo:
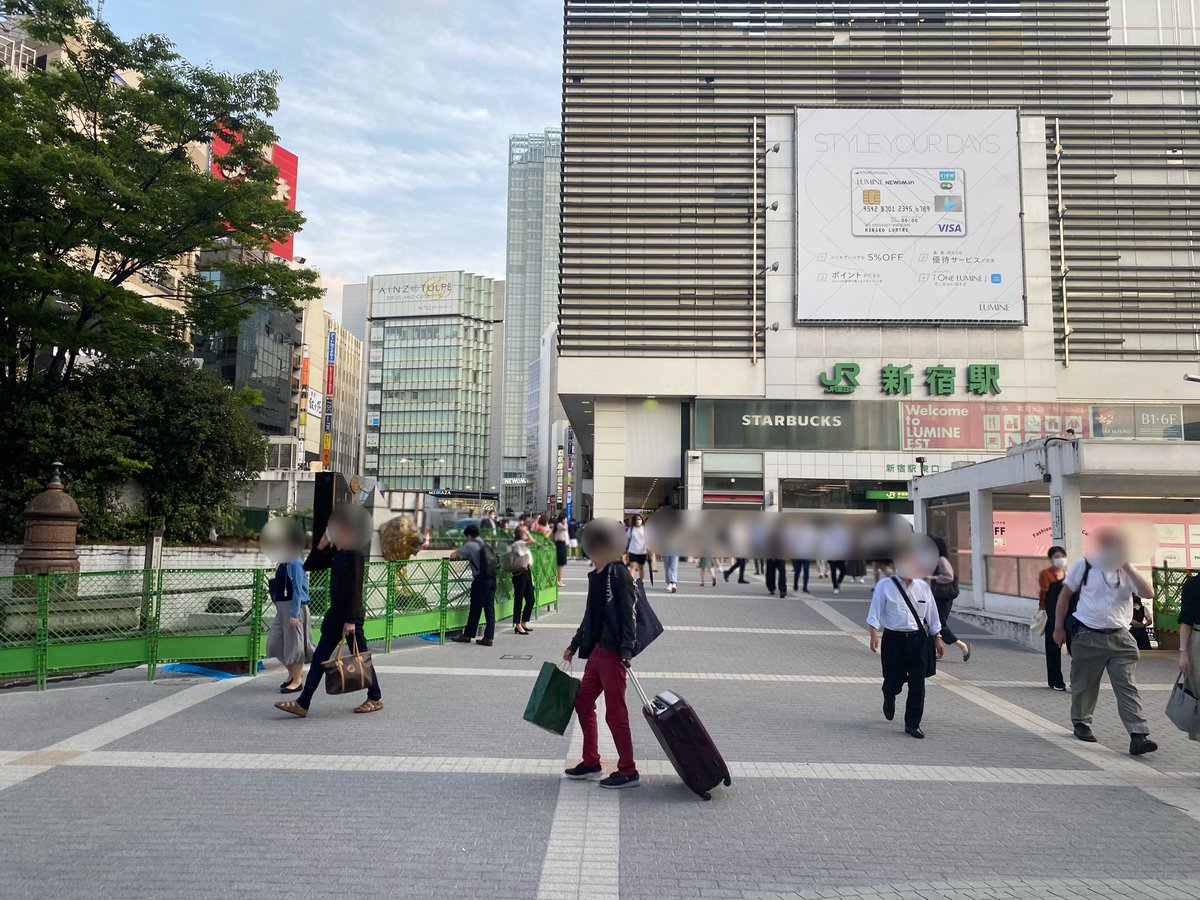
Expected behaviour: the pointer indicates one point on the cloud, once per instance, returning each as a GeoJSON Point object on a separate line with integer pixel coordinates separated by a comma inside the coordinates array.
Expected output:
{"type": "Point", "coordinates": [400, 114]}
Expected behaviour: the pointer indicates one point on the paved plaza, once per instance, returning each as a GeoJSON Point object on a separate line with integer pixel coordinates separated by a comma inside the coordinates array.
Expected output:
{"type": "Point", "coordinates": [191, 787]}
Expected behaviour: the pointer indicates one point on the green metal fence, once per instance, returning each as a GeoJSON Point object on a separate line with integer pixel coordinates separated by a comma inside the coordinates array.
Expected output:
{"type": "Point", "coordinates": [1168, 587]}
{"type": "Point", "coordinates": [52, 624]}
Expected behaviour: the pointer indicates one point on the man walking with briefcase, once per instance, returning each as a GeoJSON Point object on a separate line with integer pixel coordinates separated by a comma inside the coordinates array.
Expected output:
{"type": "Point", "coordinates": [344, 620]}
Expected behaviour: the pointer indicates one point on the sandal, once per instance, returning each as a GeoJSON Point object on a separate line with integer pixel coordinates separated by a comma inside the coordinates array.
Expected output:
{"type": "Point", "coordinates": [291, 706]}
{"type": "Point", "coordinates": [369, 706]}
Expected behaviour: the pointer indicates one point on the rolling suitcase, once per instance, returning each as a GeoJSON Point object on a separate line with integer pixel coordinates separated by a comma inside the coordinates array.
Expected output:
{"type": "Point", "coordinates": [685, 740]}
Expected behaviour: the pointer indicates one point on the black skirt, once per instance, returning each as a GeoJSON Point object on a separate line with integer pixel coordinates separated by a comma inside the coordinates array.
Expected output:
{"type": "Point", "coordinates": [561, 548]}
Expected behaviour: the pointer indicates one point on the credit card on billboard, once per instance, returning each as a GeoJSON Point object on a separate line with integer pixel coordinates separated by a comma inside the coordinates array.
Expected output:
{"type": "Point", "coordinates": [908, 202]}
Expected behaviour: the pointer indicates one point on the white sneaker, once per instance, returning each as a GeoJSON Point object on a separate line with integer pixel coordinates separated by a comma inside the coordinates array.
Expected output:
{"type": "Point", "coordinates": [671, 589]}
{"type": "Point", "coordinates": [837, 590]}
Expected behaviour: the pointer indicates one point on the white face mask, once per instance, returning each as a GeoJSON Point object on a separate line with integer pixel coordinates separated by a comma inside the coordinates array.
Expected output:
{"type": "Point", "coordinates": [1059, 562]}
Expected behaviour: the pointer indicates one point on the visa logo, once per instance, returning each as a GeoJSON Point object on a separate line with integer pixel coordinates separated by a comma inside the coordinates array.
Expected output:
{"type": "Point", "coordinates": [946, 175]}
{"type": "Point", "coordinates": [950, 228]}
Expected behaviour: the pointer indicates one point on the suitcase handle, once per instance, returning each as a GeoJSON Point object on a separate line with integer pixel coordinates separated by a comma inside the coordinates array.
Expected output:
{"type": "Point", "coordinates": [637, 686]}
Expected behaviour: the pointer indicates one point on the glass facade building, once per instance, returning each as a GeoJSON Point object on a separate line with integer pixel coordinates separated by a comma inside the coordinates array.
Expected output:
{"type": "Point", "coordinates": [429, 380]}
{"type": "Point", "coordinates": [531, 283]}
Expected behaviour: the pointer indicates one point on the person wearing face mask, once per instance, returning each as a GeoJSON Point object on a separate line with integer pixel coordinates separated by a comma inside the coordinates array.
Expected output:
{"type": "Point", "coordinates": [903, 608]}
{"type": "Point", "coordinates": [635, 537]}
{"type": "Point", "coordinates": [1049, 586]}
{"type": "Point", "coordinates": [1105, 584]}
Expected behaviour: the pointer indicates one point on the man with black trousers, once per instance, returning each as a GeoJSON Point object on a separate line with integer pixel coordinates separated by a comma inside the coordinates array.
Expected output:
{"type": "Point", "coordinates": [483, 587]}
{"type": "Point", "coordinates": [902, 607]}
{"type": "Point", "coordinates": [777, 570]}
{"type": "Point", "coordinates": [336, 551]}
{"type": "Point", "coordinates": [739, 565]}
{"type": "Point", "coordinates": [799, 566]}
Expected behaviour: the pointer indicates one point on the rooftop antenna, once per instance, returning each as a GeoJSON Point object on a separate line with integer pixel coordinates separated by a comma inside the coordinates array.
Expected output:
{"type": "Point", "coordinates": [99, 10]}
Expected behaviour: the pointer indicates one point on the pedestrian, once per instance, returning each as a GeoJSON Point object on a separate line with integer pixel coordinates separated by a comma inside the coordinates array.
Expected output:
{"type": "Point", "coordinates": [542, 526]}
{"type": "Point", "coordinates": [486, 521]}
{"type": "Point", "coordinates": [560, 546]}
{"type": "Point", "coordinates": [903, 608]}
{"type": "Point", "coordinates": [1049, 587]}
{"type": "Point", "coordinates": [288, 637]}
{"type": "Point", "coordinates": [1105, 584]}
{"type": "Point", "coordinates": [340, 552]}
{"type": "Point", "coordinates": [800, 566]}
{"type": "Point", "coordinates": [518, 560]}
{"type": "Point", "coordinates": [573, 538]}
{"type": "Point", "coordinates": [777, 574]}
{"type": "Point", "coordinates": [708, 565]}
{"type": "Point", "coordinates": [739, 566]}
{"type": "Point", "coordinates": [759, 565]}
{"type": "Point", "coordinates": [484, 568]}
{"type": "Point", "coordinates": [1139, 626]}
{"type": "Point", "coordinates": [944, 585]}
{"type": "Point", "coordinates": [1189, 639]}
{"type": "Point", "coordinates": [606, 640]}
{"type": "Point", "coordinates": [636, 546]}
{"type": "Point", "coordinates": [671, 572]}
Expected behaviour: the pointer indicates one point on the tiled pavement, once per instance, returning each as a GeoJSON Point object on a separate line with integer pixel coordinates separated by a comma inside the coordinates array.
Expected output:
{"type": "Point", "coordinates": [190, 788]}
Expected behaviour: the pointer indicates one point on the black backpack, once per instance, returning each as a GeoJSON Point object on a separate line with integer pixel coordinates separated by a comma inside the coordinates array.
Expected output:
{"type": "Point", "coordinates": [488, 564]}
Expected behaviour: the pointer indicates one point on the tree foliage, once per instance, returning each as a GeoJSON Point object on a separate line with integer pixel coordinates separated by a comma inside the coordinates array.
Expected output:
{"type": "Point", "coordinates": [104, 185]}
{"type": "Point", "coordinates": [138, 440]}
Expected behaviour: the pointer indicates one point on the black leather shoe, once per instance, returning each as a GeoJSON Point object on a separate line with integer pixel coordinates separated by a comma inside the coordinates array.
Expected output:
{"type": "Point", "coordinates": [889, 707]}
{"type": "Point", "coordinates": [1084, 733]}
{"type": "Point", "coordinates": [916, 732]}
{"type": "Point", "coordinates": [1141, 743]}
{"type": "Point", "coordinates": [743, 581]}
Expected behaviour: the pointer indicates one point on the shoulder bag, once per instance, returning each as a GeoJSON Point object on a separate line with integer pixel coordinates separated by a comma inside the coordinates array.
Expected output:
{"type": "Point", "coordinates": [646, 623]}
{"type": "Point", "coordinates": [930, 640]}
{"type": "Point", "coordinates": [345, 676]}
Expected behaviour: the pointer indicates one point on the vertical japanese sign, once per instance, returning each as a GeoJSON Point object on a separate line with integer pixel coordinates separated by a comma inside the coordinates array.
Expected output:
{"type": "Point", "coordinates": [327, 431]}
{"type": "Point", "coordinates": [569, 496]}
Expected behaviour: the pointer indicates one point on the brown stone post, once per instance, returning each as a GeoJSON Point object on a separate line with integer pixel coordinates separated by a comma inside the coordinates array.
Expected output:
{"type": "Point", "coordinates": [51, 522]}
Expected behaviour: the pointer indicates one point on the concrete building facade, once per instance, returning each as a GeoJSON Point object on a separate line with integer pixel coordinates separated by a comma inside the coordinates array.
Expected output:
{"type": "Point", "coordinates": [691, 365]}
{"type": "Point", "coordinates": [531, 284]}
{"type": "Point", "coordinates": [429, 382]}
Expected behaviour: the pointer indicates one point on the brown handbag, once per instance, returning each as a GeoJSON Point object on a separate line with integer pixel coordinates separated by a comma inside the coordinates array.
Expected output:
{"type": "Point", "coordinates": [353, 673]}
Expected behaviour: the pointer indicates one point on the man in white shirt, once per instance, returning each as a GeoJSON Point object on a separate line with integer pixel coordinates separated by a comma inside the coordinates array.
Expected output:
{"type": "Point", "coordinates": [1104, 583]}
{"type": "Point", "coordinates": [904, 647]}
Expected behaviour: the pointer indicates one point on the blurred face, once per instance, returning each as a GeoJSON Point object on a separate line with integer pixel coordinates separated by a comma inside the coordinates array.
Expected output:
{"type": "Point", "coordinates": [1111, 548]}
{"type": "Point", "coordinates": [338, 532]}
{"type": "Point", "coordinates": [522, 534]}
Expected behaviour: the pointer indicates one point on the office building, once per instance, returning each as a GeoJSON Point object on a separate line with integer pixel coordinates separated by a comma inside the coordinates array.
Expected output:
{"type": "Point", "coordinates": [429, 382]}
{"type": "Point", "coordinates": [791, 277]}
{"type": "Point", "coordinates": [531, 284]}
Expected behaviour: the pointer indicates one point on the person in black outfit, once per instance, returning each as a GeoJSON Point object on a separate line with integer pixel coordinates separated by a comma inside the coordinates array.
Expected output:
{"type": "Point", "coordinates": [777, 571]}
{"type": "Point", "coordinates": [799, 566]}
{"type": "Point", "coordinates": [483, 588]}
{"type": "Point", "coordinates": [739, 565]}
{"type": "Point", "coordinates": [345, 617]}
{"type": "Point", "coordinates": [837, 571]}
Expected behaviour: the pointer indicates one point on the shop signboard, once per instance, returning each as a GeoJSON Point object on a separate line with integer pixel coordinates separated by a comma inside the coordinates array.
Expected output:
{"type": "Point", "coordinates": [908, 215]}
{"type": "Point", "coordinates": [796, 425]}
{"type": "Point", "coordinates": [992, 427]}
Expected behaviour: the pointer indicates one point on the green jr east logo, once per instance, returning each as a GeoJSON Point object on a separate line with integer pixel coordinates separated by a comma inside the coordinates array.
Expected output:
{"type": "Point", "coordinates": [843, 380]}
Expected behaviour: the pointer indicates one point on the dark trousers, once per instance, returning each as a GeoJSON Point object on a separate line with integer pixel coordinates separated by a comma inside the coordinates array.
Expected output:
{"type": "Point", "coordinates": [837, 571]}
{"type": "Point", "coordinates": [777, 571]}
{"type": "Point", "coordinates": [483, 600]}
{"type": "Point", "coordinates": [739, 566]}
{"type": "Point", "coordinates": [331, 636]}
{"type": "Point", "coordinates": [798, 566]}
{"type": "Point", "coordinates": [903, 656]}
{"type": "Point", "coordinates": [523, 596]}
{"type": "Point", "coordinates": [758, 567]}
{"type": "Point", "coordinates": [1054, 675]}
{"type": "Point", "coordinates": [944, 607]}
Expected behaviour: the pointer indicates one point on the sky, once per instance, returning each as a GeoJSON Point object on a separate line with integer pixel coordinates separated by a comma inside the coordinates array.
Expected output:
{"type": "Point", "coordinates": [399, 110]}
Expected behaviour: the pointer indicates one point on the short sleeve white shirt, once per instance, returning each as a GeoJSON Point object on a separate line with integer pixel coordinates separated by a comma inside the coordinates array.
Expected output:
{"type": "Point", "coordinates": [1106, 600]}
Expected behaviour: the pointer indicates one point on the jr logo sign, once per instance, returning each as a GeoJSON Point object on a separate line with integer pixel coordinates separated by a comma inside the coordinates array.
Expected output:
{"type": "Point", "coordinates": [843, 380]}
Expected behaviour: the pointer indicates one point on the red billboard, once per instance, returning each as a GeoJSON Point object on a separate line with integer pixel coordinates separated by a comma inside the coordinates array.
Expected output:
{"type": "Point", "coordinates": [288, 165]}
{"type": "Point", "coordinates": [991, 427]}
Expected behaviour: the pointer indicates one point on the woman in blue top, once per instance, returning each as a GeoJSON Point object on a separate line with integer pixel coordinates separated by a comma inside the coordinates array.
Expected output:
{"type": "Point", "coordinates": [288, 637]}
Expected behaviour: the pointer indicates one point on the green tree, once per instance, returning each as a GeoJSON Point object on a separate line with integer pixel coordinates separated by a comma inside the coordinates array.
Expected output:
{"type": "Point", "coordinates": [171, 436]}
{"type": "Point", "coordinates": [102, 182]}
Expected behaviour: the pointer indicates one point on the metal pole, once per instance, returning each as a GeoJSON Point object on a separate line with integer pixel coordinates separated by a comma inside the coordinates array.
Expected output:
{"type": "Point", "coordinates": [754, 245]}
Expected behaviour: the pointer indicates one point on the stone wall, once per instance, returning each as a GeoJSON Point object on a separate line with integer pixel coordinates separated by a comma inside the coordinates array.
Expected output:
{"type": "Point", "coordinates": [115, 557]}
